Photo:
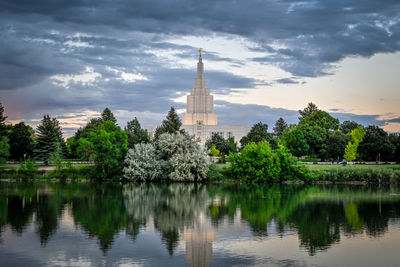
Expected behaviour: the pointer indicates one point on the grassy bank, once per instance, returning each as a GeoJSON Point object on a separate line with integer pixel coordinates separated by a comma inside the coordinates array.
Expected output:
{"type": "Point", "coordinates": [72, 172]}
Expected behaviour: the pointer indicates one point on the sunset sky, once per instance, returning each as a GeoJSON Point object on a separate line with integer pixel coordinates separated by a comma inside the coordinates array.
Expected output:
{"type": "Point", "coordinates": [263, 59]}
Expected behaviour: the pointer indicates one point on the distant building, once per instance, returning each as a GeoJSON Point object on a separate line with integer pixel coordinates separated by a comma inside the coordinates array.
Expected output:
{"type": "Point", "coordinates": [199, 119]}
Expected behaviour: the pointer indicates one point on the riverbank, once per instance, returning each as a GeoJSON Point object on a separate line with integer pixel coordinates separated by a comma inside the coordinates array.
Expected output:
{"type": "Point", "coordinates": [364, 174]}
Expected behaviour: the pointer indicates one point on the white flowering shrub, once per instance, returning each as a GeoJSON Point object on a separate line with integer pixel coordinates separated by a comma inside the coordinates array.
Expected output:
{"type": "Point", "coordinates": [141, 163]}
{"type": "Point", "coordinates": [186, 160]}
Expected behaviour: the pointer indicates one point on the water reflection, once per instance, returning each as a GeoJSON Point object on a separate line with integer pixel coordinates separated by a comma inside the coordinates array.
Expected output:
{"type": "Point", "coordinates": [192, 217]}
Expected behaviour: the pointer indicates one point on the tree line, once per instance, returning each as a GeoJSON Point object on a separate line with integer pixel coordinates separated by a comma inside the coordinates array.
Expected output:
{"type": "Point", "coordinates": [320, 136]}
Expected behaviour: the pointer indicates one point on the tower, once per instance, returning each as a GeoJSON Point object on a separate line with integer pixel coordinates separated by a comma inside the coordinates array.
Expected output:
{"type": "Point", "coordinates": [199, 104]}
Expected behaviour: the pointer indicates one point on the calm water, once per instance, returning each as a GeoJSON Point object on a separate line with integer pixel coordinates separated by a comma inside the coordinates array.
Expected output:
{"type": "Point", "coordinates": [83, 224]}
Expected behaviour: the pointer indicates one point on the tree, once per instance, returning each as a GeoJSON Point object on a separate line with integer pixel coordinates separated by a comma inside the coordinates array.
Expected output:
{"type": "Point", "coordinates": [357, 136]}
{"type": "Point", "coordinates": [49, 134]}
{"type": "Point", "coordinates": [3, 128]}
{"type": "Point", "coordinates": [21, 141]}
{"type": "Point", "coordinates": [136, 134]}
{"type": "Point", "coordinates": [107, 146]}
{"type": "Point", "coordinates": [347, 126]}
{"type": "Point", "coordinates": [4, 149]}
{"type": "Point", "coordinates": [214, 151]}
{"type": "Point", "coordinates": [107, 115]}
{"type": "Point", "coordinates": [395, 140]}
{"type": "Point", "coordinates": [171, 124]}
{"type": "Point", "coordinates": [293, 138]}
{"type": "Point", "coordinates": [336, 145]}
{"type": "Point", "coordinates": [259, 132]}
{"type": "Point", "coordinates": [73, 142]}
{"type": "Point", "coordinates": [220, 143]}
{"type": "Point", "coordinates": [280, 127]}
{"type": "Point", "coordinates": [307, 111]}
{"type": "Point", "coordinates": [376, 144]}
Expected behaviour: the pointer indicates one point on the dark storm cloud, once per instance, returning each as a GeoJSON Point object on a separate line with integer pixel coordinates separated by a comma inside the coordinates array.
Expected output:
{"type": "Point", "coordinates": [40, 39]}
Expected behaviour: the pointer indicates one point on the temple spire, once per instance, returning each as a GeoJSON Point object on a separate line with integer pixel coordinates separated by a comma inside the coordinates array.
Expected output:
{"type": "Point", "coordinates": [200, 67]}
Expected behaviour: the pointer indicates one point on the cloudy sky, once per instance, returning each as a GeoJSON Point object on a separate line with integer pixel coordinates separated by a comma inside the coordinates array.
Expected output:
{"type": "Point", "coordinates": [264, 59]}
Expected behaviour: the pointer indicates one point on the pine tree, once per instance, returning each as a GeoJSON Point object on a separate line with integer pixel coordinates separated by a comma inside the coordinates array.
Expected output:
{"type": "Point", "coordinates": [136, 134]}
{"type": "Point", "coordinates": [107, 115]}
{"type": "Point", "coordinates": [171, 124]}
{"type": "Point", "coordinates": [280, 127]}
{"type": "Point", "coordinates": [49, 136]}
{"type": "Point", "coordinates": [306, 112]}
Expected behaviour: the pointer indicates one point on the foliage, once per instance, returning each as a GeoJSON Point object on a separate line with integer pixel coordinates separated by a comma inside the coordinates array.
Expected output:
{"type": "Point", "coordinates": [259, 132]}
{"type": "Point", "coordinates": [183, 159]}
{"type": "Point", "coordinates": [347, 126]}
{"type": "Point", "coordinates": [3, 128]}
{"type": "Point", "coordinates": [232, 144]}
{"type": "Point", "coordinates": [136, 134]}
{"type": "Point", "coordinates": [56, 158]}
{"type": "Point", "coordinates": [307, 111]}
{"type": "Point", "coordinates": [293, 138]}
{"type": "Point", "coordinates": [256, 163]}
{"type": "Point", "coordinates": [291, 167]}
{"type": "Point", "coordinates": [4, 149]}
{"type": "Point", "coordinates": [336, 144]}
{"type": "Point", "coordinates": [321, 119]}
{"type": "Point", "coordinates": [220, 144]}
{"type": "Point", "coordinates": [171, 124]}
{"type": "Point", "coordinates": [280, 127]}
{"type": "Point", "coordinates": [73, 142]}
{"type": "Point", "coordinates": [27, 170]}
{"type": "Point", "coordinates": [107, 146]}
{"type": "Point", "coordinates": [350, 152]}
{"type": "Point", "coordinates": [214, 151]}
{"type": "Point", "coordinates": [107, 115]}
{"type": "Point", "coordinates": [376, 141]}
{"type": "Point", "coordinates": [351, 173]}
{"type": "Point", "coordinates": [21, 141]}
{"type": "Point", "coordinates": [48, 136]}
{"type": "Point", "coordinates": [141, 163]}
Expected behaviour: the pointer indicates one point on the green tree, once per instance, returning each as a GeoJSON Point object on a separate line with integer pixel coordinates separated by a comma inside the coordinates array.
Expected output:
{"type": "Point", "coordinates": [4, 149]}
{"type": "Point", "coordinates": [21, 141]}
{"type": "Point", "coordinates": [3, 128]}
{"type": "Point", "coordinates": [73, 142]}
{"type": "Point", "coordinates": [347, 126]}
{"type": "Point", "coordinates": [259, 132]}
{"type": "Point", "coordinates": [171, 124]}
{"type": "Point", "coordinates": [280, 127]}
{"type": "Point", "coordinates": [107, 146]}
{"type": "Point", "coordinates": [336, 144]}
{"type": "Point", "coordinates": [214, 151]}
{"type": "Point", "coordinates": [307, 111]}
{"type": "Point", "coordinates": [136, 134]}
{"type": "Point", "coordinates": [376, 142]}
{"type": "Point", "coordinates": [256, 163]}
{"type": "Point", "coordinates": [107, 115]}
{"type": "Point", "coordinates": [395, 141]}
{"type": "Point", "coordinates": [357, 136]}
{"type": "Point", "coordinates": [49, 134]}
{"type": "Point", "coordinates": [293, 138]}
{"type": "Point", "coordinates": [220, 143]}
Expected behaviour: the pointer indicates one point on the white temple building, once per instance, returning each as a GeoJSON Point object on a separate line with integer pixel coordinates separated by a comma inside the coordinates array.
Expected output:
{"type": "Point", "coordinates": [199, 119]}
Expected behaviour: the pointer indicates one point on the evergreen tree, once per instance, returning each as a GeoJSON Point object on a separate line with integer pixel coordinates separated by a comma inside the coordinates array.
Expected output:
{"type": "Point", "coordinates": [107, 115]}
{"type": "Point", "coordinates": [220, 144]}
{"type": "Point", "coordinates": [280, 127]}
{"type": "Point", "coordinates": [306, 112]}
{"type": "Point", "coordinates": [49, 135]}
{"type": "Point", "coordinates": [136, 134]}
{"type": "Point", "coordinates": [171, 124]}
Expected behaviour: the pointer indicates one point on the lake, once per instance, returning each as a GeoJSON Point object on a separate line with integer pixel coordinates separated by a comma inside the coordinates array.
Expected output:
{"type": "Point", "coordinates": [111, 224]}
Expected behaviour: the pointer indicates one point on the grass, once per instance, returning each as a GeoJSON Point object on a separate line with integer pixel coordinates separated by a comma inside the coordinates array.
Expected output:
{"type": "Point", "coordinates": [361, 166]}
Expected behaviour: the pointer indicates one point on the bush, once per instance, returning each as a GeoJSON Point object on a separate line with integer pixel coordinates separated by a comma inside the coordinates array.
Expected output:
{"type": "Point", "coordinates": [255, 163]}
{"type": "Point", "coordinates": [141, 163]}
{"type": "Point", "coordinates": [350, 174]}
{"type": "Point", "coordinates": [260, 163]}
{"type": "Point", "coordinates": [174, 156]}
{"type": "Point", "coordinates": [27, 170]}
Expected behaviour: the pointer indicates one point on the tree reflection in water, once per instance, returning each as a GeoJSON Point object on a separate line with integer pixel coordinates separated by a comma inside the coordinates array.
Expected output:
{"type": "Point", "coordinates": [193, 213]}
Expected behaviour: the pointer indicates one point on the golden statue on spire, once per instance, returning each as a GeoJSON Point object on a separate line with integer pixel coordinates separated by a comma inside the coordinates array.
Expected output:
{"type": "Point", "coordinates": [200, 52]}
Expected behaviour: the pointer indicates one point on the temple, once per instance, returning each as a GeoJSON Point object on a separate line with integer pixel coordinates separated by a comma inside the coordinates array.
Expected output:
{"type": "Point", "coordinates": [199, 119]}
{"type": "Point", "coordinates": [200, 104]}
